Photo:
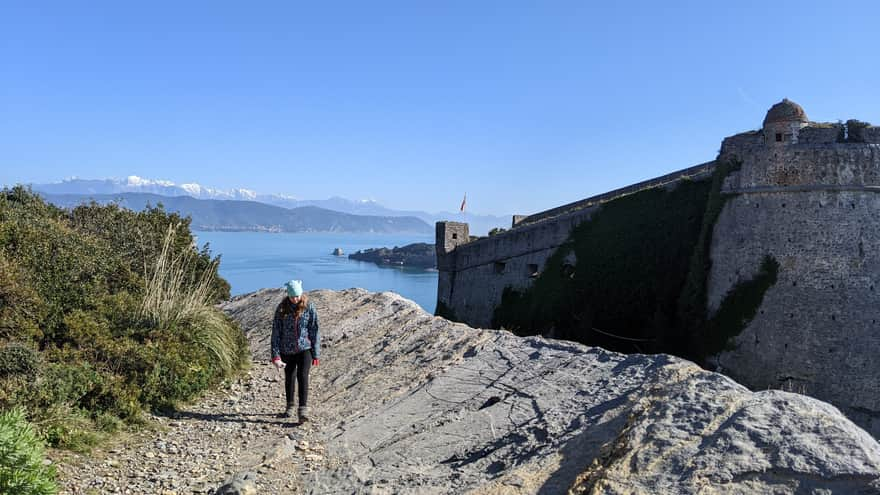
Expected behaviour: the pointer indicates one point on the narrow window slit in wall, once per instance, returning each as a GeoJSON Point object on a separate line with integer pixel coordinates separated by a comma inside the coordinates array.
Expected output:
{"type": "Point", "coordinates": [499, 267]}
{"type": "Point", "coordinates": [533, 270]}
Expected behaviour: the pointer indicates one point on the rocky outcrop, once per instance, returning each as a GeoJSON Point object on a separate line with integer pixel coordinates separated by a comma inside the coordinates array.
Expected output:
{"type": "Point", "coordinates": [404, 402]}
{"type": "Point", "coordinates": [414, 403]}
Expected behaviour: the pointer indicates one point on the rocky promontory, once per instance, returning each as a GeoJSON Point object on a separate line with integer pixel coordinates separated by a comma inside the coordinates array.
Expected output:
{"type": "Point", "coordinates": [418, 255]}
{"type": "Point", "coordinates": [405, 402]}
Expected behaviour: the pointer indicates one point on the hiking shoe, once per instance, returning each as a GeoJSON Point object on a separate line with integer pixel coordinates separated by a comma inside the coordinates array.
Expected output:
{"type": "Point", "coordinates": [303, 413]}
{"type": "Point", "coordinates": [288, 413]}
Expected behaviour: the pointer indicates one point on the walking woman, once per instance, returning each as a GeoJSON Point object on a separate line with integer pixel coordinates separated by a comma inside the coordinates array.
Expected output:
{"type": "Point", "coordinates": [296, 346]}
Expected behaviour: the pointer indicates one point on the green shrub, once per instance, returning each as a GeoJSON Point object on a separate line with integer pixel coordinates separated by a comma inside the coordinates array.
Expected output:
{"type": "Point", "coordinates": [17, 359]}
{"type": "Point", "coordinates": [119, 305]}
{"type": "Point", "coordinates": [20, 308]}
{"type": "Point", "coordinates": [21, 458]}
{"type": "Point", "coordinates": [66, 427]}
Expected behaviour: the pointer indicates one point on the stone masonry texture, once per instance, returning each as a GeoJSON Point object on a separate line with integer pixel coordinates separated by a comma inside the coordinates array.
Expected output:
{"type": "Point", "coordinates": [811, 203]}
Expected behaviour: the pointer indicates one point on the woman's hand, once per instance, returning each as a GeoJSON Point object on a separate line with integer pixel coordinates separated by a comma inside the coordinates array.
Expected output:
{"type": "Point", "coordinates": [279, 363]}
{"type": "Point", "coordinates": [315, 362]}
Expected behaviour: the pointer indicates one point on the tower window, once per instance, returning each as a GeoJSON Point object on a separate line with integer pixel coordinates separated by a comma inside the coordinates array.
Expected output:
{"type": "Point", "coordinates": [778, 137]}
{"type": "Point", "coordinates": [455, 236]}
{"type": "Point", "coordinates": [499, 267]}
{"type": "Point", "coordinates": [533, 270]}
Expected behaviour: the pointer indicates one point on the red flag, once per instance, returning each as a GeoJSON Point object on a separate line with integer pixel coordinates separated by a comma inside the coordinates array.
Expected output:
{"type": "Point", "coordinates": [463, 202]}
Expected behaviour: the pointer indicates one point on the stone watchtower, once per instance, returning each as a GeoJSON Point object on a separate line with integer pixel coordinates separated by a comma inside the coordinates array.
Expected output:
{"type": "Point", "coordinates": [449, 235]}
{"type": "Point", "coordinates": [810, 201]}
{"type": "Point", "coordinates": [783, 122]}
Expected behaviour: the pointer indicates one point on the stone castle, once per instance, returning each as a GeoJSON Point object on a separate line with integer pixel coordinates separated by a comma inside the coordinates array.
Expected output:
{"type": "Point", "coordinates": [804, 194]}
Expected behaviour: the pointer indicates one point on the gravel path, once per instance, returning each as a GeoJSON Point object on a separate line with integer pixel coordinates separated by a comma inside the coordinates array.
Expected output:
{"type": "Point", "coordinates": [228, 431]}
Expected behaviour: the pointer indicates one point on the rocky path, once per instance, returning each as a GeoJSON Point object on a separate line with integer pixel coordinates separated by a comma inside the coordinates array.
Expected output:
{"type": "Point", "coordinates": [404, 402]}
{"type": "Point", "coordinates": [234, 430]}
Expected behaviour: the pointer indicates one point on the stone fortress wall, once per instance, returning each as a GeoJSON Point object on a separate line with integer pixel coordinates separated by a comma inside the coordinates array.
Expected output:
{"type": "Point", "coordinates": [806, 195]}
{"type": "Point", "coordinates": [813, 206]}
{"type": "Point", "coordinates": [474, 274]}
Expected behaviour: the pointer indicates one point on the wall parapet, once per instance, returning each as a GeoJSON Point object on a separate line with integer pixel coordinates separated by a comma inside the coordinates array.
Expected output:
{"type": "Point", "coordinates": [696, 172]}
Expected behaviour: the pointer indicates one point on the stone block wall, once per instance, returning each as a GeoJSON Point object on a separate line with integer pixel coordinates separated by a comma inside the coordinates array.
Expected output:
{"type": "Point", "coordinates": [473, 277]}
{"type": "Point", "coordinates": [817, 330]}
{"type": "Point", "coordinates": [824, 134]}
{"type": "Point", "coordinates": [810, 166]}
{"type": "Point", "coordinates": [696, 172]}
{"type": "Point", "coordinates": [814, 208]}
{"type": "Point", "coordinates": [871, 135]}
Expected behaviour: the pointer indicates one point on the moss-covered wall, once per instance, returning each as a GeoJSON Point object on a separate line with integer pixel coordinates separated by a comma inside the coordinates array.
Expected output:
{"type": "Point", "coordinates": [633, 277]}
{"type": "Point", "coordinates": [620, 273]}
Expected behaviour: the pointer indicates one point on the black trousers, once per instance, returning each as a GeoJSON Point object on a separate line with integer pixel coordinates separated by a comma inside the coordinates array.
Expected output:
{"type": "Point", "coordinates": [299, 363]}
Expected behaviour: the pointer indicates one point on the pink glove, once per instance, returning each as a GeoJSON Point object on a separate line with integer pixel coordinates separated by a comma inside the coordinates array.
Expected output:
{"type": "Point", "coordinates": [278, 363]}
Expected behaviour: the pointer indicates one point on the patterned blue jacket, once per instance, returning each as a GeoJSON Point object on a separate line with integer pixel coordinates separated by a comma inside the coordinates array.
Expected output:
{"type": "Point", "coordinates": [291, 337]}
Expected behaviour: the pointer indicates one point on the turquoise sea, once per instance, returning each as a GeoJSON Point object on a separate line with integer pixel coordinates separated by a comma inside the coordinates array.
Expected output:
{"type": "Point", "coordinates": [254, 260]}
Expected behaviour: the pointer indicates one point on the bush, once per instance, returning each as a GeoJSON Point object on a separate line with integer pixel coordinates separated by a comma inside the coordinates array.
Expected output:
{"type": "Point", "coordinates": [21, 458]}
{"type": "Point", "coordinates": [116, 307]}
{"type": "Point", "coordinates": [17, 359]}
{"type": "Point", "coordinates": [20, 308]}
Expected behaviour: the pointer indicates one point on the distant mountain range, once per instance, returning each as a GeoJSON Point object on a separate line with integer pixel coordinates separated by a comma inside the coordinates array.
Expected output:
{"type": "Point", "coordinates": [236, 215]}
{"type": "Point", "coordinates": [479, 224]}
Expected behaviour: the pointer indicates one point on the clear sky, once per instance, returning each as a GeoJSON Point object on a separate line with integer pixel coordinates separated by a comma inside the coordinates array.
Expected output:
{"type": "Point", "coordinates": [523, 105]}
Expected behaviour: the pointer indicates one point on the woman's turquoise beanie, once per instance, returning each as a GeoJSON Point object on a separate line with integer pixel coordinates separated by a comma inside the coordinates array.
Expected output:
{"type": "Point", "coordinates": [294, 288]}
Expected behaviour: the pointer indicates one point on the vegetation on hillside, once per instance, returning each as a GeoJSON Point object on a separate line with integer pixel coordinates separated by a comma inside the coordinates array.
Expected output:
{"type": "Point", "coordinates": [105, 312]}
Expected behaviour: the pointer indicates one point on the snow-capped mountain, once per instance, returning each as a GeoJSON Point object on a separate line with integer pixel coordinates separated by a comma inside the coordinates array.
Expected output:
{"type": "Point", "coordinates": [479, 224]}
{"type": "Point", "coordinates": [133, 183]}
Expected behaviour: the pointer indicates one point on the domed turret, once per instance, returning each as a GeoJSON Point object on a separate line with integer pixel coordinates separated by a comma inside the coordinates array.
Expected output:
{"type": "Point", "coordinates": [783, 121]}
{"type": "Point", "coordinates": [786, 111]}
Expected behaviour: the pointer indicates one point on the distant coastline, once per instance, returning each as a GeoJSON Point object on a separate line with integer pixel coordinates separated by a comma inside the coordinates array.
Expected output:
{"type": "Point", "coordinates": [251, 216]}
{"type": "Point", "coordinates": [418, 255]}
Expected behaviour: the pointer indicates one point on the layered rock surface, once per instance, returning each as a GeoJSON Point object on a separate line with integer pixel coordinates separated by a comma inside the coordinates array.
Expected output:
{"type": "Point", "coordinates": [404, 402]}
{"type": "Point", "coordinates": [414, 403]}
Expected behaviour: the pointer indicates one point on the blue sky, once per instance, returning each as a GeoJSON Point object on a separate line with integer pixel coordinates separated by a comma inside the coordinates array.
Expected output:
{"type": "Point", "coordinates": [523, 105]}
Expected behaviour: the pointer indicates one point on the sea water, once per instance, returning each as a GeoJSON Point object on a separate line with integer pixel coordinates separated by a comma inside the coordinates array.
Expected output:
{"type": "Point", "coordinates": [256, 260]}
